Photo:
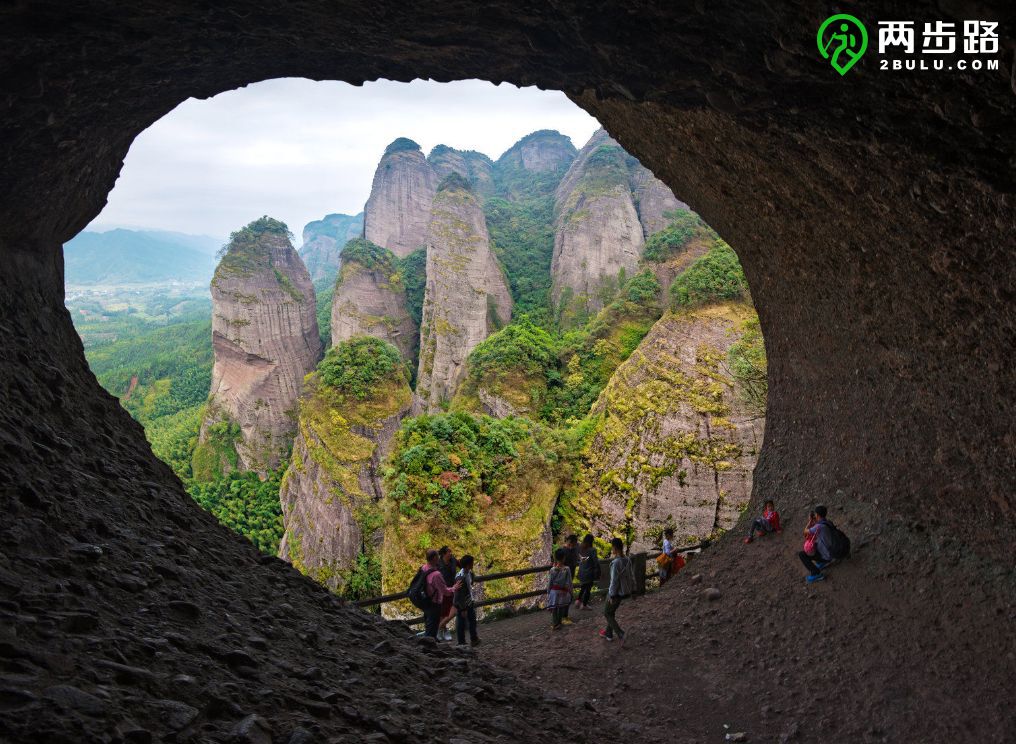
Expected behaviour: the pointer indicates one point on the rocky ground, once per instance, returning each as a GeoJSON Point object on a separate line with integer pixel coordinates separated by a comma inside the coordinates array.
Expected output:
{"type": "Point", "coordinates": [774, 659]}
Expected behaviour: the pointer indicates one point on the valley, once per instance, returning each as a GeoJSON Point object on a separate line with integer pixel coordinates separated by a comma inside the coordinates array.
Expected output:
{"type": "Point", "coordinates": [493, 354]}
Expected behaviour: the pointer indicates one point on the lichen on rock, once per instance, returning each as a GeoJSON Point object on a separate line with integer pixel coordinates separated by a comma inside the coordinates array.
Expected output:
{"type": "Point", "coordinates": [264, 340]}
{"type": "Point", "coordinates": [331, 491]}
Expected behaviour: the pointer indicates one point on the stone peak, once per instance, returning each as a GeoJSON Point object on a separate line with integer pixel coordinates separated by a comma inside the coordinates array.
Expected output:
{"type": "Point", "coordinates": [402, 144]}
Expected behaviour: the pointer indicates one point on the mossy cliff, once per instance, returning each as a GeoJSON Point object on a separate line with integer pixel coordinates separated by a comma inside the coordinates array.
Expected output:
{"type": "Point", "coordinates": [264, 340]}
{"type": "Point", "coordinates": [370, 298]}
{"type": "Point", "coordinates": [466, 296]}
{"type": "Point", "coordinates": [349, 413]}
{"type": "Point", "coordinates": [671, 440]}
{"type": "Point", "coordinates": [483, 486]}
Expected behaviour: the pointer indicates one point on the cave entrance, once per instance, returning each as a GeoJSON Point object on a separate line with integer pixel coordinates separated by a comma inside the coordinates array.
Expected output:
{"type": "Point", "coordinates": [613, 354]}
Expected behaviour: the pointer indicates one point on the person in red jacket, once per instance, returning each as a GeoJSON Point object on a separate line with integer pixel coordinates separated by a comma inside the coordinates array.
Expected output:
{"type": "Point", "coordinates": [768, 522]}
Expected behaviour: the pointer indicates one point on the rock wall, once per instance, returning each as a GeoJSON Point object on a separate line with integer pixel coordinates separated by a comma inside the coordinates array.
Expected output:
{"type": "Point", "coordinates": [264, 340]}
{"type": "Point", "coordinates": [323, 241]}
{"type": "Point", "coordinates": [674, 443]}
{"type": "Point", "coordinates": [331, 490]}
{"type": "Point", "coordinates": [654, 200]}
{"type": "Point", "coordinates": [474, 166]}
{"type": "Point", "coordinates": [542, 151]}
{"type": "Point", "coordinates": [598, 234]}
{"type": "Point", "coordinates": [370, 300]}
{"type": "Point", "coordinates": [398, 210]}
{"type": "Point", "coordinates": [466, 297]}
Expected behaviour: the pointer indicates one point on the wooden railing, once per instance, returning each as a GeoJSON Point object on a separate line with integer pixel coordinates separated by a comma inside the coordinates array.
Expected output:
{"type": "Point", "coordinates": [641, 577]}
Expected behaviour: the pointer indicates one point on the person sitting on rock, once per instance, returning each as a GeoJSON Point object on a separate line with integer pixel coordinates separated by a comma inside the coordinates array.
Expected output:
{"type": "Point", "coordinates": [559, 590]}
{"type": "Point", "coordinates": [447, 565]}
{"type": "Point", "coordinates": [768, 522]}
{"type": "Point", "coordinates": [588, 571]}
{"type": "Point", "coordinates": [437, 591]}
{"type": "Point", "coordinates": [817, 553]}
{"type": "Point", "coordinates": [464, 603]}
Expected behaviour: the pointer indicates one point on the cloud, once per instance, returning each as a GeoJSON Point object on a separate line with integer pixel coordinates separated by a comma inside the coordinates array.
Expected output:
{"type": "Point", "coordinates": [297, 149]}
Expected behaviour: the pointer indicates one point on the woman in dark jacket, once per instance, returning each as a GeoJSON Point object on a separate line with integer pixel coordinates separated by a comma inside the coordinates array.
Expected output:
{"type": "Point", "coordinates": [588, 571]}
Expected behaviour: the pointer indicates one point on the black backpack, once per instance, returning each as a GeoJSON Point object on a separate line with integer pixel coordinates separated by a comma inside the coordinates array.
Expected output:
{"type": "Point", "coordinates": [839, 544]}
{"type": "Point", "coordinates": [418, 588]}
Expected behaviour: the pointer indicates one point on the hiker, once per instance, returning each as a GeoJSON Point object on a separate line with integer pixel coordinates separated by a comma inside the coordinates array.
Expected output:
{"type": "Point", "coordinates": [823, 544]}
{"type": "Point", "coordinates": [447, 565]}
{"type": "Point", "coordinates": [559, 590]}
{"type": "Point", "coordinates": [767, 523]}
{"type": "Point", "coordinates": [588, 571]}
{"type": "Point", "coordinates": [622, 584]}
{"type": "Point", "coordinates": [465, 604]}
{"type": "Point", "coordinates": [431, 585]}
{"type": "Point", "coordinates": [669, 561]}
{"type": "Point", "coordinates": [571, 560]}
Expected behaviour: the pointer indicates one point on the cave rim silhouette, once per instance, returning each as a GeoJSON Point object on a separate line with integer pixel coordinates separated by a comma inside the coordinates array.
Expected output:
{"type": "Point", "coordinates": [856, 403]}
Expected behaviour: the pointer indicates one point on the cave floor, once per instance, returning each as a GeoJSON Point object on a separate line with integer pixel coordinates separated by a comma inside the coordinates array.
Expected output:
{"type": "Point", "coordinates": [792, 662]}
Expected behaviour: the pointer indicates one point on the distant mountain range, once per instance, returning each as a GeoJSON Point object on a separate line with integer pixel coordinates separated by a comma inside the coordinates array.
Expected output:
{"type": "Point", "coordinates": [123, 256]}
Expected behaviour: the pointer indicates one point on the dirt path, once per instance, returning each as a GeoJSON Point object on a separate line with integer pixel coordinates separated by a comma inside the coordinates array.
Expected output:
{"type": "Point", "coordinates": [866, 656]}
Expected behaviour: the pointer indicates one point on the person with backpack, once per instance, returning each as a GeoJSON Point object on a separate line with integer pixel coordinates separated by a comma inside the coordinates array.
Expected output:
{"type": "Point", "coordinates": [559, 590]}
{"type": "Point", "coordinates": [448, 567]}
{"type": "Point", "coordinates": [823, 544]}
{"type": "Point", "coordinates": [465, 604]}
{"type": "Point", "coordinates": [763, 525]}
{"type": "Point", "coordinates": [427, 592]}
{"type": "Point", "coordinates": [588, 571]}
{"type": "Point", "coordinates": [622, 584]}
{"type": "Point", "coordinates": [571, 560]}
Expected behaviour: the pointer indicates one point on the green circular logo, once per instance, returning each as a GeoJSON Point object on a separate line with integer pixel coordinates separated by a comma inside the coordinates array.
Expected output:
{"type": "Point", "coordinates": [842, 40]}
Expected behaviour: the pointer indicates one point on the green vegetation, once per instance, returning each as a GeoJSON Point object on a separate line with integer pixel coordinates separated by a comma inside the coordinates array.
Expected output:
{"type": "Point", "coordinates": [747, 359]}
{"type": "Point", "coordinates": [324, 292]}
{"type": "Point", "coordinates": [355, 366]}
{"type": "Point", "coordinates": [714, 277]}
{"type": "Point", "coordinates": [522, 237]}
{"type": "Point", "coordinates": [454, 182]}
{"type": "Point", "coordinates": [244, 253]}
{"type": "Point", "coordinates": [413, 270]}
{"type": "Point", "coordinates": [246, 504]}
{"type": "Point", "coordinates": [684, 227]}
{"type": "Point", "coordinates": [401, 144]}
{"type": "Point", "coordinates": [479, 484]}
{"type": "Point", "coordinates": [369, 255]}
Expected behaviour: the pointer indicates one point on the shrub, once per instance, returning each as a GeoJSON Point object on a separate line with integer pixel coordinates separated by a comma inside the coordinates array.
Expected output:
{"type": "Point", "coordinates": [245, 504]}
{"type": "Point", "coordinates": [520, 347]}
{"type": "Point", "coordinates": [401, 144]}
{"type": "Point", "coordinates": [354, 366]}
{"type": "Point", "coordinates": [244, 253]}
{"type": "Point", "coordinates": [369, 255]}
{"type": "Point", "coordinates": [748, 364]}
{"type": "Point", "coordinates": [715, 276]}
{"type": "Point", "coordinates": [671, 240]}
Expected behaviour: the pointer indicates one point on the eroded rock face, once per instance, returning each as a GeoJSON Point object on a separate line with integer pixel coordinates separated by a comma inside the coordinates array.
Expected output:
{"type": "Point", "coordinates": [539, 152]}
{"type": "Point", "coordinates": [466, 298]}
{"type": "Point", "coordinates": [474, 166]}
{"type": "Point", "coordinates": [331, 490]}
{"type": "Point", "coordinates": [323, 241]}
{"type": "Point", "coordinates": [264, 339]}
{"type": "Point", "coordinates": [370, 300]}
{"type": "Point", "coordinates": [398, 210]}
{"type": "Point", "coordinates": [675, 443]}
{"type": "Point", "coordinates": [598, 234]}
{"type": "Point", "coordinates": [654, 199]}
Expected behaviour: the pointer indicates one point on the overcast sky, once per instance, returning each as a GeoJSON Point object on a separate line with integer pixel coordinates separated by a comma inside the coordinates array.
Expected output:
{"type": "Point", "coordinates": [296, 149]}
